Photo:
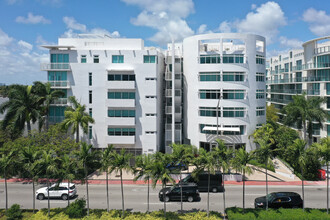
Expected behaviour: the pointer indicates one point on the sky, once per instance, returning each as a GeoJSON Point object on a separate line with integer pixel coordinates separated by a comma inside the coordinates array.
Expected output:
{"type": "Point", "coordinates": [25, 25]}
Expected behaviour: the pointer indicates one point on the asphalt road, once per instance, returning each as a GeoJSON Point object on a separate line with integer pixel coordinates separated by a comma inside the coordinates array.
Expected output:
{"type": "Point", "coordinates": [136, 197]}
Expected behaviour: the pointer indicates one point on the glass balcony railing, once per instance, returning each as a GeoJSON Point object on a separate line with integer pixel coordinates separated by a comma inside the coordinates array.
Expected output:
{"type": "Point", "coordinates": [55, 66]}
{"type": "Point", "coordinates": [60, 101]}
{"type": "Point", "coordinates": [59, 84]}
{"type": "Point", "coordinates": [300, 79]}
{"type": "Point", "coordinates": [283, 101]}
{"type": "Point", "coordinates": [289, 91]}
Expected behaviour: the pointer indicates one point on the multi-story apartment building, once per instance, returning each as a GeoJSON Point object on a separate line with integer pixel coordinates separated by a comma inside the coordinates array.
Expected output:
{"type": "Point", "coordinates": [224, 88]}
{"type": "Point", "coordinates": [120, 82]}
{"type": "Point", "coordinates": [211, 86]}
{"type": "Point", "coordinates": [305, 70]}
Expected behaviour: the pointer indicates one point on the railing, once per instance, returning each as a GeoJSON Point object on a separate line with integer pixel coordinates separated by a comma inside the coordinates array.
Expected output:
{"type": "Point", "coordinates": [290, 91]}
{"type": "Point", "coordinates": [284, 101]}
{"type": "Point", "coordinates": [168, 110]}
{"type": "Point", "coordinates": [168, 92]}
{"type": "Point", "coordinates": [55, 66]}
{"type": "Point", "coordinates": [313, 92]}
{"type": "Point", "coordinates": [299, 79]}
{"type": "Point", "coordinates": [225, 58]}
{"type": "Point", "coordinates": [60, 101]}
{"type": "Point", "coordinates": [325, 49]}
{"type": "Point", "coordinates": [59, 84]}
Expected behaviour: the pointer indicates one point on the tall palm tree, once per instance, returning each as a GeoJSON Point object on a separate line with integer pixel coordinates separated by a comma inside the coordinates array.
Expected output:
{"type": "Point", "coordinates": [87, 157]}
{"type": "Point", "coordinates": [22, 107]}
{"type": "Point", "coordinates": [143, 170]}
{"type": "Point", "coordinates": [68, 170]}
{"type": "Point", "coordinates": [160, 172]}
{"type": "Point", "coordinates": [324, 151]}
{"type": "Point", "coordinates": [106, 161]}
{"type": "Point", "coordinates": [48, 164]}
{"type": "Point", "coordinates": [241, 160]}
{"type": "Point", "coordinates": [75, 117]}
{"type": "Point", "coordinates": [29, 158]}
{"type": "Point", "coordinates": [299, 151]}
{"type": "Point", "coordinates": [120, 163]}
{"type": "Point", "coordinates": [47, 95]}
{"type": "Point", "coordinates": [303, 111]}
{"type": "Point", "coordinates": [264, 153]}
{"type": "Point", "coordinates": [7, 169]}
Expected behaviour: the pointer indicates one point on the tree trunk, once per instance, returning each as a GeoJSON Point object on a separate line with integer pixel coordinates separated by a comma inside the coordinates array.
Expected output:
{"type": "Point", "coordinates": [223, 193]}
{"type": "Point", "coordinates": [86, 179]}
{"type": "Point", "coordinates": [107, 188]}
{"type": "Point", "coordinates": [68, 192]}
{"type": "Point", "coordinates": [302, 188]}
{"type": "Point", "coordinates": [122, 194]}
{"type": "Point", "coordinates": [77, 135]}
{"type": "Point", "coordinates": [304, 130]}
{"type": "Point", "coordinates": [28, 126]}
{"type": "Point", "coordinates": [48, 196]}
{"type": "Point", "coordinates": [148, 198]}
{"type": "Point", "coordinates": [243, 191]}
{"type": "Point", "coordinates": [6, 190]}
{"type": "Point", "coordinates": [33, 196]}
{"type": "Point", "coordinates": [266, 184]}
{"type": "Point", "coordinates": [164, 201]}
{"type": "Point", "coordinates": [327, 188]}
{"type": "Point", "coordinates": [208, 195]}
{"type": "Point", "coordinates": [181, 194]}
{"type": "Point", "coordinates": [47, 122]}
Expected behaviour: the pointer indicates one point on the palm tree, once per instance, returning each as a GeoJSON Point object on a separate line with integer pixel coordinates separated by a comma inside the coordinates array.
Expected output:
{"type": "Point", "coordinates": [29, 157]}
{"type": "Point", "coordinates": [241, 160]}
{"type": "Point", "coordinates": [303, 111]}
{"type": "Point", "coordinates": [87, 157]}
{"type": "Point", "coordinates": [143, 169]}
{"type": "Point", "coordinates": [49, 166]}
{"type": "Point", "coordinates": [160, 172]}
{"type": "Point", "coordinates": [47, 96]}
{"type": "Point", "coordinates": [6, 169]}
{"type": "Point", "coordinates": [68, 170]}
{"type": "Point", "coordinates": [106, 161]}
{"type": "Point", "coordinates": [299, 151]}
{"type": "Point", "coordinates": [120, 163]}
{"type": "Point", "coordinates": [324, 151]}
{"type": "Point", "coordinates": [22, 107]}
{"type": "Point", "coordinates": [264, 152]}
{"type": "Point", "coordinates": [76, 117]}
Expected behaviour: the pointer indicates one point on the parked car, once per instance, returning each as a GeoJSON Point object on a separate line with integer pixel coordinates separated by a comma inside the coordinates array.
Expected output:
{"type": "Point", "coordinates": [190, 193]}
{"type": "Point", "coordinates": [202, 182]}
{"type": "Point", "coordinates": [57, 191]}
{"type": "Point", "coordinates": [279, 200]}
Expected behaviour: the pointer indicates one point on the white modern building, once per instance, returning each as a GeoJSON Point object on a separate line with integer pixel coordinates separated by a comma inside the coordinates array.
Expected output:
{"type": "Point", "coordinates": [119, 81]}
{"type": "Point", "coordinates": [224, 88]}
{"type": "Point", "coordinates": [305, 70]}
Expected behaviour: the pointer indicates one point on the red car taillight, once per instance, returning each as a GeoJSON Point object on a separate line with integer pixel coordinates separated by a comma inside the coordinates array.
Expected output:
{"type": "Point", "coordinates": [71, 191]}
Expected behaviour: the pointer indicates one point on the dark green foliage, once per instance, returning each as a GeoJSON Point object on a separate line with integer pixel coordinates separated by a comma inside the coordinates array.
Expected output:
{"type": "Point", "coordinates": [14, 212]}
{"type": "Point", "coordinates": [76, 209]}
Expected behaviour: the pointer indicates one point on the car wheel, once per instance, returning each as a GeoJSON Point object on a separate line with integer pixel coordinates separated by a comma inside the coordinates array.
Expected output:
{"type": "Point", "coordinates": [214, 190]}
{"type": "Point", "coordinates": [190, 199]}
{"type": "Point", "coordinates": [64, 197]}
{"type": "Point", "coordinates": [167, 199]}
{"type": "Point", "coordinates": [40, 196]}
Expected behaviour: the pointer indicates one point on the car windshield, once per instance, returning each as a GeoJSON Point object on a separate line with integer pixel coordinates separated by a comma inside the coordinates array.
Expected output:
{"type": "Point", "coordinates": [72, 187]}
{"type": "Point", "coordinates": [270, 197]}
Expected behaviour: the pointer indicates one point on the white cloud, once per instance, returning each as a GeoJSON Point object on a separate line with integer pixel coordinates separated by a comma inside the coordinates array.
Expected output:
{"type": "Point", "coordinates": [319, 21]}
{"type": "Point", "coordinates": [32, 19]}
{"type": "Point", "coordinates": [4, 38]}
{"type": "Point", "coordinates": [71, 23]}
{"type": "Point", "coordinates": [203, 30]}
{"type": "Point", "coordinates": [224, 27]}
{"type": "Point", "coordinates": [166, 16]}
{"type": "Point", "coordinates": [25, 45]}
{"type": "Point", "coordinates": [291, 43]}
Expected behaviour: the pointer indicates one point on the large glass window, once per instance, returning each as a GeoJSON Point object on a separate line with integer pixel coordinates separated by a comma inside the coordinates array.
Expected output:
{"type": "Point", "coordinates": [233, 76]}
{"type": "Point", "coordinates": [121, 113]}
{"type": "Point", "coordinates": [209, 94]}
{"type": "Point", "coordinates": [260, 77]}
{"type": "Point", "coordinates": [117, 59]}
{"type": "Point", "coordinates": [121, 95]}
{"type": "Point", "coordinates": [209, 112]}
{"type": "Point", "coordinates": [57, 75]}
{"type": "Point", "coordinates": [149, 59]}
{"type": "Point", "coordinates": [240, 132]}
{"type": "Point", "coordinates": [260, 59]}
{"type": "Point", "coordinates": [204, 59]}
{"type": "Point", "coordinates": [233, 94]}
{"type": "Point", "coordinates": [90, 130]}
{"type": "Point", "coordinates": [59, 58]}
{"type": "Point", "coordinates": [209, 76]}
{"type": "Point", "coordinates": [121, 77]}
{"type": "Point", "coordinates": [260, 111]}
{"type": "Point", "coordinates": [121, 131]}
{"type": "Point", "coordinates": [233, 58]}
{"type": "Point", "coordinates": [233, 112]}
{"type": "Point", "coordinates": [90, 96]}
{"type": "Point", "coordinates": [90, 78]}
{"type": "Point", "coordinates": [260, 94]}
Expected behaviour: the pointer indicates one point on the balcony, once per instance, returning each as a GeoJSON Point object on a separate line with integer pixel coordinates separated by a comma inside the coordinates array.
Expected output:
{"type": "Point", "coordinates": [289, 91]}
{"type": "Point", "coordinates": [59, 84]}
{"type": "Point", "coordinates": [55, 66]}
{"type": "Point", "coordinates": [281, 101]}
{"type": "Point", "coordinates": [320, 50]}
{"type": "Point", "coordinates": [60, 101]}
{"type": "Point", "coordinates": [299, 79]}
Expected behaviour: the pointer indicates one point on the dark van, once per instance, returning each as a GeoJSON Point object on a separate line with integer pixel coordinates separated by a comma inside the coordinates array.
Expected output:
{"type": "Point", "coordinates": [202, 182]}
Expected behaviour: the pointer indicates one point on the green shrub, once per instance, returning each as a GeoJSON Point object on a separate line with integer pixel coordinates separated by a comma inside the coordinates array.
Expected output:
{"type": "Point", "coordinates": [76, 209]}
{"type": "Point", "coordinates": [14, 212]}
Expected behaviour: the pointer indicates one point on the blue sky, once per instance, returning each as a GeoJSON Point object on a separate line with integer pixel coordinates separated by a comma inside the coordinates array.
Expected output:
{"type": "Point", "coordinates": [27, 24]}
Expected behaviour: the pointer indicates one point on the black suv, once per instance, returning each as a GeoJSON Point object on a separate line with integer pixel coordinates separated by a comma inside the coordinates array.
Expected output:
{"type": "Point", "coordinates": [202, 182]}
{"type": "Point", "coordinates": [279, 200]}
{"type": "Point", "coordinates": [189, 193]}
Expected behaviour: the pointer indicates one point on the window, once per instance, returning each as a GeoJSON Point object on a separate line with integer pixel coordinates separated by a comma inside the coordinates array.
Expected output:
{"type": "Point", "coordinates": [260, 94]}
{"type": "Point", "coordinates": [151, 78]}
{"type": "Point", "coordinates": [90, 97]}
{"type": "Point", "coordinates": [151, 97]}
{"type": "Point", "coordinates": [328, 130]}
{"type": "Point", "coordinates": [241, 128]}
{"type": "Point", "coordinates": [83, 59]}
{"type": "Point", "coordinates": [121, 77]}
{"type": "Point", "coordinates": [150, 132]}
{"type": "Point", "coordinates": [233, 58]}
{"type": "Point", "coordinates": [121, 95]}
{"type": "Point", "coordinates": [209, 76]}
{"type": "Point", "coordinates": [59, 58]}
{"type": "Point", "coordinates": [57, 76]}
{"type": "Point", "coordinates": [233, 76]}
{"type": "Point", "coordinates": [233, 94]}
{"type": "Point", "coordinates": [209, 94]}
{"type": "Point", "coordinates": [233, 112]}
{"type": "Point", "coordinates": [260, 59]}
{"type": "Point", "coordinates": [260, 111]}
{"type": "Point", "coordinates": [90, 78]}
{"type": "Point", "coordinates": [117, 59]}
{"type": "Point", "coordinates": [201, 129]}
{"type": "Point", "coordinates": [151, 114]}
{"type": "Point", "coordinates": [121, 131]}
{"type": "Point", "coordinates": [90, 132]}
{"type": "Point", "coordinates": [328, 88]}
{"type": "Point", "coordinates": [204, 59]}
{"type": "Point", "coordinates": [91, 112]}
{"type": "Point", "coordinates": [209, 112]}
{"type": "Point", "coordinates": [260, 77]}
{"type": "Point", "coordinates": [96, 59]}
{"type": "Point", "coordinates": [149, 59]}
{"type": "Point", "coordinates": [121, 113]}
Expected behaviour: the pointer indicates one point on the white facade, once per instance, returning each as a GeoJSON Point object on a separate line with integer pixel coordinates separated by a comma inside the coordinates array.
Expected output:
{"type": "Point", "coordinates": [220, 77]}
{"type": "Point", "coordinates": [298, 71]}
{"type": "Point", "coordinates": [119, 81]}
